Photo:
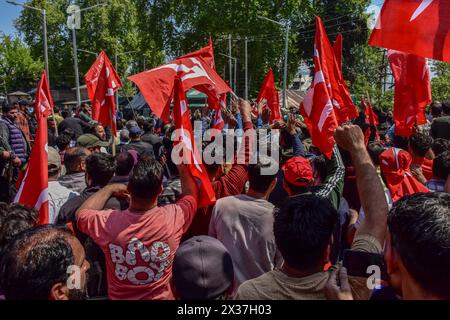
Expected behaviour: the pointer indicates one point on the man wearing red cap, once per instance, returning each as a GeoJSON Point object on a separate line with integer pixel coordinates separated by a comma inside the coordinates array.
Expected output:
{"type": "Point", "coordinates": [299, 178]}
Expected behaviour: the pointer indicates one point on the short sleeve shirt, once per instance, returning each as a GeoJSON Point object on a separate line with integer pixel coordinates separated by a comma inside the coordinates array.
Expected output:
{"type": "Point", "coordinates": [139, 248]}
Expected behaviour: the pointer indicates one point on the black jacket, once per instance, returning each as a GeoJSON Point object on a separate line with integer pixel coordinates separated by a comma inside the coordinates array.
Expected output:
{"type": "Point", "coordinates": [97, 273]}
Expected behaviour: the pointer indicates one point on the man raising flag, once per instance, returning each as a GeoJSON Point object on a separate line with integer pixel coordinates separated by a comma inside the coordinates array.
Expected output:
{"type": "Point", "coordinates": [33, 191]}
{"type": "Point", "coordinates": [102, 81]}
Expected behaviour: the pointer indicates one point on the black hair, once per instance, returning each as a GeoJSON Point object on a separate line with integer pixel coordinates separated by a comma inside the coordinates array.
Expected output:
{"type": "Point", "coordinates": [401, 142]}
{"type": "Point", "coordinates": [63, 141]}
{"type": "Point", "coordinates": [260, 182]}
{"type": "Point", "coordinates": [65, 114]}
{"type": "Point", "coordinates": [303, 228]}
{"type": "Point", "coordinates": [72, 157]}
{"type": "Point", "coordinates": [124, 163]}
{"type": "Point", "coordinates": [446, 107]}
{"type": "Point", "coordinates": [35, 261]}
{"type": "Point", "coordinates": [319, 165]}
{"type": "Point", "coordinates": [14, 219]}
{"type": "Point", "coordinates": [420, 144]}
{"type": "Point", "coordinates": [94, 127]}
{"type": "Point", "coordinates": [100, 168]}
{"type": "Point", "coordinates": [440, 146]}
{"type": "Point", "coordinates": [441, 166]}
{"type": "Point", "coordinates": [55, 109]}
{"type": "Point", "coordinates": [436, 109]}
{"type": "Point", "coordinates": [8, 107]}
{"type": "Point", "coordinates": [146, 179]}
{"type": "Point", "coordinates": [147, 126]}
{"type": "Point", "coordinates": [419, 225]}
{"type": "Point", "coordinates": [70, 132]}
{"type": "Point", "coordinates": [375, 149]}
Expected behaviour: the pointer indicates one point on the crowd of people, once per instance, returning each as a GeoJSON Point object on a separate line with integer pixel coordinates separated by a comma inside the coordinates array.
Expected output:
{"type": "Point", "coordinates": [125, 223]}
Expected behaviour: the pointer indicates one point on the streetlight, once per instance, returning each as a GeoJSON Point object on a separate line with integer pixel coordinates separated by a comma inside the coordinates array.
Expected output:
{"type": "Point", "coordinates": [44, 25]}
{"type": "Point", "coordinates": [72, 25]}
{"type": "Point", "coordinates": [235, 69]}
{"type": "Point", "coordinates": [116, 65]}
{"type": "Point", "coordinates": [87, 51]}
{"type": "Point", "coordinates": [286, 52]}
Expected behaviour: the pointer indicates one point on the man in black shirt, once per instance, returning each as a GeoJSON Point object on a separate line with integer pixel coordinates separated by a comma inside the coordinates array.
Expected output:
{"type": "Point", "coordinates": [144, 149]}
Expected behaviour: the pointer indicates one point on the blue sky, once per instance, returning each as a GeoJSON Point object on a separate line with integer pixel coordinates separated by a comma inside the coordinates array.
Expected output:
{"type": "Point", "coordinates": [7, 15]}
{"type": "Point", "coordinates": [9, 12]}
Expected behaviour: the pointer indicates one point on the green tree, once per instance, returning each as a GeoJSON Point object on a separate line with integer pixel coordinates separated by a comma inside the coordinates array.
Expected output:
{"type": "Point", "coordinates": [440, 85]}
{"type": "Point", "coordinates": [18, 69]}
{"type": "Point", "coordinates": [115, 28]}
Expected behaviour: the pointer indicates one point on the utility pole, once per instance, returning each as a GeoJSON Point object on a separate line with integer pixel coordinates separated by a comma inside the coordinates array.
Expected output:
{"type": "Point", "coordinates": [246, 69]}
{"type": "Point", "coordinates": [286, 56]}
{"type": "Point", "coordinates": [230, 63]}
{"type": "Point", "coordinates": [75, 60]}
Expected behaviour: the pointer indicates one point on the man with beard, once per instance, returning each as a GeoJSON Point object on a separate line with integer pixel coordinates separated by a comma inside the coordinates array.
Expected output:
{"type": "Point", "coordinates": [45, 263]}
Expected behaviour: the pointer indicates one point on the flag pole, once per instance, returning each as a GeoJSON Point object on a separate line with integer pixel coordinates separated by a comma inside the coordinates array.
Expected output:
{"type": "Point", "coordinates": [113, 140]}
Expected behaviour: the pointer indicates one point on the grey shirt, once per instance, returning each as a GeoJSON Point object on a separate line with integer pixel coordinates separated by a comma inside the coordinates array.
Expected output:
{"type": "Point", "coordinates": [245, 227]}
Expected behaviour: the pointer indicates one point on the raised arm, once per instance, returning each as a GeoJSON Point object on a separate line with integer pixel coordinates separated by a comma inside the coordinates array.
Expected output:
{"type": "Point", "coordinates": [98, 200]}
{"type": "Point", "coordinates": [188, 186]}
{"type": "Point", "coordinates": [371, 192]}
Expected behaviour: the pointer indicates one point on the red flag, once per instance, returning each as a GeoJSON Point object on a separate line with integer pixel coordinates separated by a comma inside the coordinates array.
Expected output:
{"type": "Point", "coordinates": [269, 92]}
{"type": "Point", "coordinates": [338, 50]}
{"type": "Point", "coordinates": [412, 91]}
{"type": "Point", "coordinates": [182, 120]}
{"type": "Point", "coordinates": [317, 108]}
{"type": "Point", "coordinates": [102, 81]}
{"type": "Point", "coordinates": [371, 118]}
{"type": "Point", "coordinates": [420, 27]}
{"type": "Point", "coordinates": [157, 84]}
{"type": "Point", "coordinates": [206, 53]}
{"type": "Point", "coordinates": [337, 88]}
{"type": "Point", "coordinates": [33, 191]}
{"type": "Point", "coordinates": [218, 123]}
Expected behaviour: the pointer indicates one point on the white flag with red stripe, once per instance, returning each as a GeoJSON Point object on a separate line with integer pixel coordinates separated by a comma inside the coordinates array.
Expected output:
{"type": "Point", "coordinates": [33, 191]}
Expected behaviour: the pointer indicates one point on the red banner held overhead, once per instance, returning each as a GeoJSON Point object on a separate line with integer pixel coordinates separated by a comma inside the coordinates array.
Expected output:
{"type": "Point", "coordinates": [157, 85]}
{"type": "Point", "coordinates": [412, 91]}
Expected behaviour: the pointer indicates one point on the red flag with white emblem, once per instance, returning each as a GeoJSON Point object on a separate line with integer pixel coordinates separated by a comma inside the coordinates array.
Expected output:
{"type": "Point", "coordinates": [157, 85]}
{"type": "Point", "coordinates": [182, 120]}
{"type": "Point", "coordinates": [33, 191]}
{"type": "Point", "coordinates": [412, 91]}
{"type": "Point", "coordinates": [102, 81]}
{"type": "Point", "coordinates": [420, 27]}
{"type": "Point", "coordinates": [219, 124]}
{"type": "Point", "coordinates": [344, 107]}
{"type": "Point", "coordinates": [269, 92]}
{"type": "Point", "coordinates": [206, 53]}
{"type": "Point", "coordinates": [317, 107]}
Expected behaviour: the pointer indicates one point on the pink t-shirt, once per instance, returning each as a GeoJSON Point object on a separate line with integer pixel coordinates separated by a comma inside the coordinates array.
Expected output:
{"type": "Point", "coordinates": [139, 248]}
